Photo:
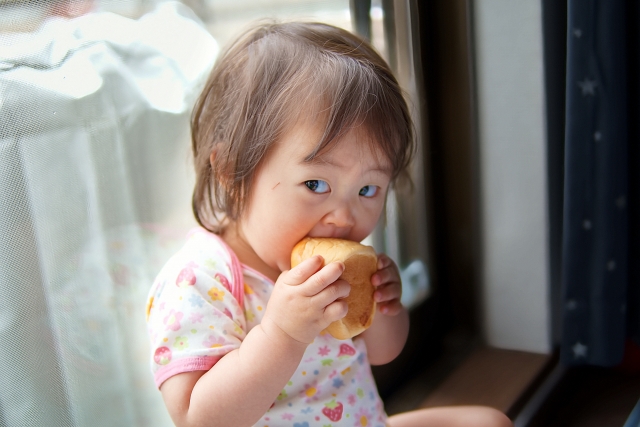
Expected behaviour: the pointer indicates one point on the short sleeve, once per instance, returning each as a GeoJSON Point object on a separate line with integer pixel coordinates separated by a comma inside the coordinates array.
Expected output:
{"type": "Point", "coordinates": [193, 318]}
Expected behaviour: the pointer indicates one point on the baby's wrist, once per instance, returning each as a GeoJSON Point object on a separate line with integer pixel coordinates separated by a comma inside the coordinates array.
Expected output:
{"type": "Point", "coordinates": [279, 336]}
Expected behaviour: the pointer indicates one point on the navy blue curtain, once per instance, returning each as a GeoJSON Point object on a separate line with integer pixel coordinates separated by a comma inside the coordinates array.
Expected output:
{"type": "Point", "coordinates": [599, 253]}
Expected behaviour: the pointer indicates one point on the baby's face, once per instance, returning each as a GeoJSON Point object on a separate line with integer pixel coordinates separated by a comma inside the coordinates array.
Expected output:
{"type": "Point", "coordinates": [339, 194]}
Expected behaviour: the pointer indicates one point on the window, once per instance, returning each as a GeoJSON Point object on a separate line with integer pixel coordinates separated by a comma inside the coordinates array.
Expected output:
{"type": "Point", "coordinates": [95, 185]}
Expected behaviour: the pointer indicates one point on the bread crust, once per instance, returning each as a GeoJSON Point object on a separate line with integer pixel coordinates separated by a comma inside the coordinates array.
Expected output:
{"type": "Point", "coordinates": [360, 264]}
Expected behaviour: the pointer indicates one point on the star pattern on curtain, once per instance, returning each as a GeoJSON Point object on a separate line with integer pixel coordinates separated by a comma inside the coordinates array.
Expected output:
{"type": "Point", "coordinates": [595, 257]}
{"type": "Point", "coordinates": [597, 136]}
{"type": "Point", "coordinates": [579, 350]}
{"type": "Point", "coordinates": [588, 87]}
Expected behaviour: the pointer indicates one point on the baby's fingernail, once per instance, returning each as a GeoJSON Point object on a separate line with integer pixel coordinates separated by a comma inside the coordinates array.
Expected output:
{"type": "Point", "coordinates": [385, 310]}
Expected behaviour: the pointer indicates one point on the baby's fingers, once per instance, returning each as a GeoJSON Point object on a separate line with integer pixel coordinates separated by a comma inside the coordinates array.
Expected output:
{"type": "Point", "coordinates": [388, 292]}
{"type": "Point", "coordinates": [323, 280]}
{"type": "Point", "coordinates": [334, 292]}
{"type": "Point", "coordinates": [385, 276]}
{"type": "Point", "coordinates": [301, 272]}
{"type": "Point", "coordinates": [390, 308]}
{"type": "Point", "coordinates": [384, 261]}
{"type": "Point", "coordinates": [336, 310]}
{"type": "Point", "coordinates": [332, 300]}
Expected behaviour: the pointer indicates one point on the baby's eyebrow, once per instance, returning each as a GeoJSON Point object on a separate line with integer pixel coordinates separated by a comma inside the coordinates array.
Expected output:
{"type": "Point", "coordinates": [321, 160]}
{"type": "Point", "coordinates": [318, 160]}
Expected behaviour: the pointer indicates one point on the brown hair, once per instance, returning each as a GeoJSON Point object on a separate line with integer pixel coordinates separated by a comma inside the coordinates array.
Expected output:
{"type": "Point", "coordinates": [270, 77]}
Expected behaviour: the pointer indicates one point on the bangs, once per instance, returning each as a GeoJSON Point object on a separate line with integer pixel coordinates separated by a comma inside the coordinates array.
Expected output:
{"type": "Point", "coordinates": [342, 89]}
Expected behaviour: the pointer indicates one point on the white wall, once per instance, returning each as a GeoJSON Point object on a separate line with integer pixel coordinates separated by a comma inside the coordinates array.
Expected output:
{"type": "Point", "coordinates": [508, 43]}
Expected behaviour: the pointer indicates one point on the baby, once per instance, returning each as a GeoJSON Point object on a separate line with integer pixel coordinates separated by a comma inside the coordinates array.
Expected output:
{"type": "Point", "coordinates": [300, 131]}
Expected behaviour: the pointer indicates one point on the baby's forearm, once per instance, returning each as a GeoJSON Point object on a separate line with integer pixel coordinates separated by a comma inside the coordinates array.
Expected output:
{"type": "Point", "coordinates": [386, 337]}
{"type": "Point", "coordinates": [243, 385]}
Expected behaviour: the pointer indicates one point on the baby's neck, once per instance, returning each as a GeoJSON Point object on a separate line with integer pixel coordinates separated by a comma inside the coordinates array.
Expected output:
{"type": "Point", "coordinates": [233, 236]}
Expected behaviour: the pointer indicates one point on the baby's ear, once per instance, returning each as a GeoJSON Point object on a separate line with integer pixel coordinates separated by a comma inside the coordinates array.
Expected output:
{"type": "Point", "coordinates": [215, 162]}
{"type": "Point", "coordinates": [217, 168]}
{"type": "Point", "coordinates": [214, 153]}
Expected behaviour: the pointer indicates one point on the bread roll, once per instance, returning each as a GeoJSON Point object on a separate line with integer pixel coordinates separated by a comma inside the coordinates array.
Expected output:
{"type": "Point", "coordinates": [360, 263]}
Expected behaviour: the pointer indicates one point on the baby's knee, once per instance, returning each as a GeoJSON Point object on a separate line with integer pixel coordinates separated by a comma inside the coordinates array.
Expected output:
{"type": "Point", "coordinates": [489, 417]}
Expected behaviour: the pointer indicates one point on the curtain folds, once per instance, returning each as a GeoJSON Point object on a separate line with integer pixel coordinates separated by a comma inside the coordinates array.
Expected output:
{"type": "Point", "coordinates": [600, 239]}
{"type": "Point", "coordinates": [94, 128]}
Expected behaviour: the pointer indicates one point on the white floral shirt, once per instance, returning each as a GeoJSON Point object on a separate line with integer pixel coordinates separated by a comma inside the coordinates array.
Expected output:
{"type": "Point", "coordinates": [204, 302]}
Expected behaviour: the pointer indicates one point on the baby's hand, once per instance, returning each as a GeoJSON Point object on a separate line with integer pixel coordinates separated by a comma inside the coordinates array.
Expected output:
{"type": "Point", "coordinates": [388, 286]}
{"type": "Point", "coordinates": [307, 298]}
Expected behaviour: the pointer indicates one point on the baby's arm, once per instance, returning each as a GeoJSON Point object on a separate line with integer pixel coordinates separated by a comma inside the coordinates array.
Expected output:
{"type": "Point", "coordinates": [238, 389]}
{"type": "Point", "coordinates": [387, 335]}
{"type": "Point", "coordinates": [243, 384]}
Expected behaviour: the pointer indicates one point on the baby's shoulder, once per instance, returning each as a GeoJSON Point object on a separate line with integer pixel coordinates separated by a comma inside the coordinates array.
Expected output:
{"type": "Point", "coordinates": [201, 261]}
{"type": "Point", "coordinates": [204, 251]}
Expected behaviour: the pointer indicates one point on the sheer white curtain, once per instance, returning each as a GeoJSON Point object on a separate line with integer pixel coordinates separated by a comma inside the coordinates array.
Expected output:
{"type": "Point", "coordinates": [94, 183]}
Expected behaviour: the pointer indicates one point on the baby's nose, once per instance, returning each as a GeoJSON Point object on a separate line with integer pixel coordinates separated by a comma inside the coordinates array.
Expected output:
{"type": "Point", "coordinates": [342, 216]}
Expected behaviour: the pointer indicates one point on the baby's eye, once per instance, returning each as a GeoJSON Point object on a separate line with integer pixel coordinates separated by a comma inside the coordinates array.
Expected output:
{"type": "Point", "coordinates": [369, 191]}
{"type": "Point", "coordinates": [317, 185]}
